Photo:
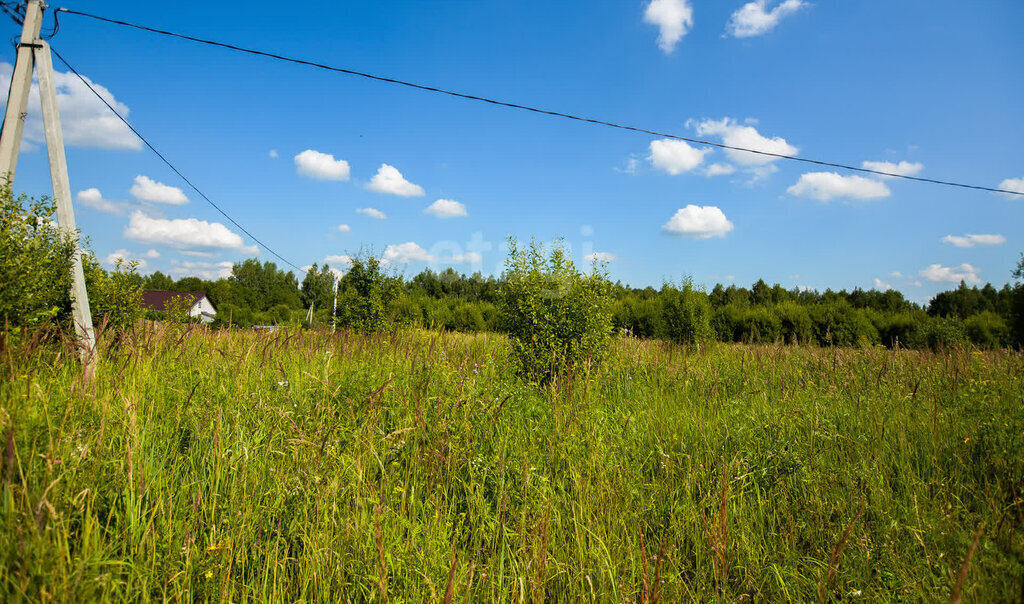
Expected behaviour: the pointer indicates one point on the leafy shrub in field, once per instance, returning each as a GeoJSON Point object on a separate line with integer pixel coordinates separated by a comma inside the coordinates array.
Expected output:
{"type": "Point", "coordinates": [556, 318]}
{"type": "Point", "coordinates": [939, 333]}
{"type": "Point", "coordinates": [115, 297]}
{"type": "Point", "coordinates": [35, 262]}
{"type": "Point", "coordinates": [839, 324]}
{"type": "Point", "coordinates": [727, 322]}
{"type": "Point", "coordinates": [640, 317]}
{"type": "Point", "coordinates": [365, 293]}
{"type": "Point", "coordinates": [687, 314]}
{"type": "Point", "coordinates": [760, 324]}
{"type": "Point", "coordinates": [795, 323]}
{"type": "Point", "coordinates": [987, 330]}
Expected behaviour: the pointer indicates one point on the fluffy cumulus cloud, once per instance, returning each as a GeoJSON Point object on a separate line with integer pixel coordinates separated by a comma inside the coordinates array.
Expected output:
{"type": "Point", "coordinates": [675, 156]}
{"type": "Point", "coordinates": [1013, 184]}
{"type": "Point", "coordinates": [882, 285]}
{"type": "Point", "coordinates": [85, 121]}
{"type": "Point", "coordinates": [321, 166]}
{"type": "Point", "coordinates": [404, 253]}
{"type": "Point", "coordinates": [211, 271]}
{"type": "Point", "coordinates": [719, 169]}
{"type": "Point", "coordinates": [903, 168]}
{"type": "Point", "coordinates": [372, 213]}
{"type": "Point", "coordinates": [147, 189]}
{"type": "Point", "coordinates": [698, 222]}
{"type": "Point", "coordinates": [126, 257]}
{"type": "Point", "coordinates": [824, 186]}
{"type": "Point", "coordinates": [343, 228]}
{"type": "Point", "coordinates": [755, 18]}
{"type": "Point", "coordinates": [338, 260]}
{"type": "Point", "coordinates": [971, 240]}
{"type": "Point", "coordinates": [955, 274]}
{"type": "Point", "coordinates": [446, 208]}
{"type": "Point", "coordinates": [467, 258]}
{"type": "Point", "coordinates": [673, 18]}
{"type": "Point", "coordinates": [389, 180]}
{"type": "Point", "coordinates": [910, 280]}
{"type": "Point", "coordinates": [600, 257]}
{"type": "Point", "coordinates": [184, 234]}
{"type": "Point", "coordinates": [93, 199]}
{"type": "Point", "coordinates": [746, 136]}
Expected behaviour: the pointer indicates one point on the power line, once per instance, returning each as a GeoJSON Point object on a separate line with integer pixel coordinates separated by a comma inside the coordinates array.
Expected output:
{"type": "Point", "coordinates": [169, 164]}
{"type": "Point", "coordinates": [560, 114]}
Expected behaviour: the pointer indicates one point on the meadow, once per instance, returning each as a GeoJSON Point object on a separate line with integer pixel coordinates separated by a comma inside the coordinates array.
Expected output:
{"type": "Point", "coordinates": [413, 466]}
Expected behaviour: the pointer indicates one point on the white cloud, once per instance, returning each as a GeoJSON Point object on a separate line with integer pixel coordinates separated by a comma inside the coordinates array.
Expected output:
{"type": "Point", "coordinates": [184, 234]}
{"type": "Point", "coordinates": [147, 189]}
{"type": "Point", "coordinates": [85, 121]}
{"type": "Point", "coordinates": [824, 186]}
{"type": "Point", "coordinates": [92, 198]}
{"type": "Point", "coordinates": [151, 254]}
{"type": "Point", "coordinates": [675, 156]}
{"type": "Point", "coordinates": [198, 254]}
{"type": "Point", "coordinates": [407, 252]}
{"type": "Point", "coordinates": [1013, 184]}
{"type": "Point", "coordinates": [446, 208]}
{"type": "Point", "coordinates": [343, 228]}
{"type": "Point", "coordinates": [970, 240]}
{"type": "Point", "coordinates": [945, 274]}
{"type": "Point", "coordinates": [372, 213]}
{"type": "Point", "coordinates": [632, 166]}
{"type": "Point", "coordinates": [673, 17]}
{"type": "Point", "coordinates": [903, 168]}
{"type": "Point", "coordinates": [211, 271]}
{"type": "Point", "coordinates": [124, 256]}
{"type": "Point", "coordinates": [910, 280]}
{"type": "Point", "coordinates": [389, 180]}
{"type": "Point", "coordinates": [600, 257]}
{"type": "Point", "coordinates": [321, 166]}
{"type": "Point", "coordinates": [273, 154]}
{"type": "Point", "coordinates": [719, 169]}
{"type": "Point", "coordinates": [467, 258]}
{"type": "Point", "coordinates": [747, 137]}
{"type": "Point", "coordinates": [882, 285]}
{"type": "Point", "coordinates": [754, 18]}
{"type": "Point", "coordinates": [698, 222]}
{"type": "Point", "coordinates": [337, 260]}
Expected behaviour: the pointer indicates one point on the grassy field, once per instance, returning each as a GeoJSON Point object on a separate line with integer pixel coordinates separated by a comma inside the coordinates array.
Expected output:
{"type": "Point", "coordinates": [412, 467]}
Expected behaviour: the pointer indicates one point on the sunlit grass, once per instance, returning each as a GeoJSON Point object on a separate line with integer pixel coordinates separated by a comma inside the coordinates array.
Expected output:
{"type": "Point", "coordinates": [310, 466]}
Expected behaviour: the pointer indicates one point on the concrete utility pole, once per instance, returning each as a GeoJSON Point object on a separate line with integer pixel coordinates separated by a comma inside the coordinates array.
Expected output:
{"type": "Point", "coordinates": [34, 52]}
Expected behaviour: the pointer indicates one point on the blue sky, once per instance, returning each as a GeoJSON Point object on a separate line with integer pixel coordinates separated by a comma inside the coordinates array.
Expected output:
{"type": "Point", "coordinates": [929, 88]}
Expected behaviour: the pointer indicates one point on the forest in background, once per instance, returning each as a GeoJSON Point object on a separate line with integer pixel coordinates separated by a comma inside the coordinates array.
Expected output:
{"type": "Point", "coordinates": [259, 293]}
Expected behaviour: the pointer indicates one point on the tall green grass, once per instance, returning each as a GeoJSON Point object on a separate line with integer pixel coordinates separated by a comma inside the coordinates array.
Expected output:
{"type": "Point", "coordinates": [412, 467]}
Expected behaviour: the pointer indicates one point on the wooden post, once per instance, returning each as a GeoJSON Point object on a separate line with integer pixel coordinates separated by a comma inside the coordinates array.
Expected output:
{"type": "Point", "coordinates": [35, 53]}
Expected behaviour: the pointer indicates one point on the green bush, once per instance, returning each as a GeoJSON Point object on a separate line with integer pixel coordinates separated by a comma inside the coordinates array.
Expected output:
{"type": "Point", "coordinates": [687, 314]}
{"type": "Point", "coordinates": [115, 298]}
{"type": "Point", "coordinates": [987, 330]}
{"type": "Point", "coordinates": [839, 324]}
{"type": "Point", "coordinates": [365, 294]}
{"type": "Point", "coordinates": [795, 323]}
{"type": "Point", "coordinates": [35, 262]}
{"type": "Point", "coordinates": [557, 319]}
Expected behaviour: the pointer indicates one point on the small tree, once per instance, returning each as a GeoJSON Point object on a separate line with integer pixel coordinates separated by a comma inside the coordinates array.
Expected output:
{"type": "Point", "coordinates": [35, 262]}
{"type": "Point", "coordinates": [364, 295]}
{"type": "Point", "coordinates": [687, 313]}
{"type": "Point", "coordinates": [556, 318]}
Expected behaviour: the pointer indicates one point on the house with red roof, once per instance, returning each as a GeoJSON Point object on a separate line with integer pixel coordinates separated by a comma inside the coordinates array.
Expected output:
{"type": "Point", "coordinates": [199, 306]}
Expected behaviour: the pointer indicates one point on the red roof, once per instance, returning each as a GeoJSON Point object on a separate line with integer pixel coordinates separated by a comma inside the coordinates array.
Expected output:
{"type": "Point", "coordinates": [157, 300]}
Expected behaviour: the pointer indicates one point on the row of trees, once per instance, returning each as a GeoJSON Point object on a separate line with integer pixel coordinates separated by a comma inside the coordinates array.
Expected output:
{"type": "Point", "coordinates": [36, 260]}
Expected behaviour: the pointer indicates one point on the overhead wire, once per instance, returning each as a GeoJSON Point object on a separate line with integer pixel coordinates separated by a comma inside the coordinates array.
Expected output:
{"type": "Point", "coordinates": [171, 165]}
{"type": "Point", "coordinates": [532, 109]}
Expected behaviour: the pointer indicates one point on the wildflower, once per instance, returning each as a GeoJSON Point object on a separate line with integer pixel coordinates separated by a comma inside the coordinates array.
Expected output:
{"type": "Point", "coordinates": [967, 438]}
{"type": "Point", "coordinates": [209, 574]}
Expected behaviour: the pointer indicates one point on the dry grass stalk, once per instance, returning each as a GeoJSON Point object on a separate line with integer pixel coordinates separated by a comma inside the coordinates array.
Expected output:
{"type": "Point", "coordinates": [645, 597]}
{"type": "Point", "coordinates": [382, 574]}
{"type": "Point", "coordinates": [721, 536]}
{"type": "Point", "coordinates": [825, 583]}
{"type": "Point", "coordinates": [449, 591]}
{"type": "Point", "coordinates": [961, 578]}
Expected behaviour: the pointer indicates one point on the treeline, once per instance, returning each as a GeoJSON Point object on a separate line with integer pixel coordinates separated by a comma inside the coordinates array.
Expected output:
{"type": "Point", "coordinates": [259, 293]}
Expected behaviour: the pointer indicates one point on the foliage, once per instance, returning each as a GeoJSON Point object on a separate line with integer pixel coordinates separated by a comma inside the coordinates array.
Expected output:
{"type": "Point", "coordinates": [241, 466]}
{"type": "Point", "coordinates": [687, 314]}
{"type": "Point", "coordinates": [557, 318]}
{"type": "Point", "coordinates": [116, 297]}
{"type": "Point", "coordinates": [35, 262]}
{"type": "Point", "coordinates": [364, 295]}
